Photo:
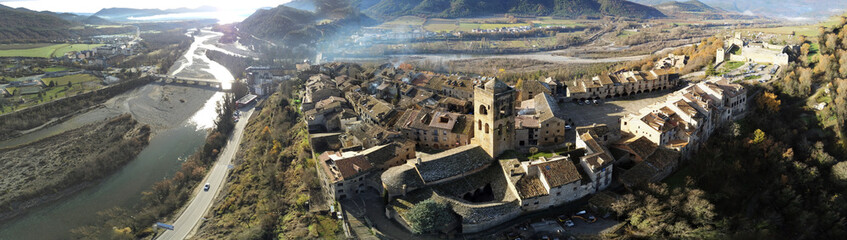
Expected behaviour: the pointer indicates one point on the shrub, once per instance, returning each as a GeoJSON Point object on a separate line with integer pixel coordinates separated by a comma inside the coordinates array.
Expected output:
{"type": "Point", "coordinates": [428, 216]}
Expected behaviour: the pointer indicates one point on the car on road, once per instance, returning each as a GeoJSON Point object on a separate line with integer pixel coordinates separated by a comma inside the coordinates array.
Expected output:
{"type": "Point", "coordinates": [569, 223]}
{"type": "Point", "coordinates": [568, 127]}
{"type": "Point", "coordinates": [562, 218]}
{"type": "Point", "coordinates": [206, 187]}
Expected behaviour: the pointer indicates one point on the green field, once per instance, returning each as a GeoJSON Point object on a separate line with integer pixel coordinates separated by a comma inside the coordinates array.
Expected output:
{"type": "Point", "coordinates": [55, 69]}
{"type": "Point", "coordinates": [14, 50]}
{"type": "Point", "coordinates": [467, 24]}
{"type": "Point", "coordinates": [75, 79]}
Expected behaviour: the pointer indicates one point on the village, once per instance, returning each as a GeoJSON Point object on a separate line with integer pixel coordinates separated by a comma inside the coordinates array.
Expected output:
{"type": "Point", "coordinates": [497, 153]}
{"type": "Point", "coordinates": [27, 81]}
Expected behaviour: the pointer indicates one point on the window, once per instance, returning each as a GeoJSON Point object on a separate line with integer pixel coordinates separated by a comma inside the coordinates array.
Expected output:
{"type": "Point", "coordinates": [486, 128]}
{"type": "Point", "coordinates": [479, 123]}
{"type": "Point", "coordinates": [483, 110]}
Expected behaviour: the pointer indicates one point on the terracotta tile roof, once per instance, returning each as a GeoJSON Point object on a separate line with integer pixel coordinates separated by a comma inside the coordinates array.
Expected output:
{"type": "Point", "coordinates": [351, 167]}
{"type": "Point", "coordinates": [530, 187]}
{"type": "Point", "coordinates": [559, 172]}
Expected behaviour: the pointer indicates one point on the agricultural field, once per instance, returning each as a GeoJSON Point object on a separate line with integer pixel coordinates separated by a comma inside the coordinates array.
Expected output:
{"type": "Point", "coordinates": [80, 83]}
{"type": "Point", "coordinates": [407, 23]}
{"type": "Point", "coordinates": [73, 79]}
{"type": "Point", "coordinates": [810, 31]}
{"type": "Point", "coordinates": [42, 51]}
{"type": "Point", "coordinates": [55, 69]}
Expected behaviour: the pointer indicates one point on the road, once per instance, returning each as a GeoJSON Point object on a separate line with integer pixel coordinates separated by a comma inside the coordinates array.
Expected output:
{"type": "Point", "coordinates": [202, 201]}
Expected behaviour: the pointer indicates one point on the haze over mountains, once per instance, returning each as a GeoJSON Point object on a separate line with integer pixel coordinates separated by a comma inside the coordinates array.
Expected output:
{"type": "Point", "coordinates": [789, 9]}
{"type": "Point", "coordinates": [473, 8]}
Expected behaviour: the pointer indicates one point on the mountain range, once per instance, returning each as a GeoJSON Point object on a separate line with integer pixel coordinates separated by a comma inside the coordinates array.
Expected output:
{"type": "Point", "coordinates": [387, 9]}
{"type": "Point", "coordinates": [795, 10]}
{"type": "Point", "coordinates": [125, 14]}
{"type": "Point", "coordinates": [24, 25]}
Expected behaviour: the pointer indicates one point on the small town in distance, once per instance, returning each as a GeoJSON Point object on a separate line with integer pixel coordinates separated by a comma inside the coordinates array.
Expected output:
{"type": "Point", "coordinates": [384, 119]}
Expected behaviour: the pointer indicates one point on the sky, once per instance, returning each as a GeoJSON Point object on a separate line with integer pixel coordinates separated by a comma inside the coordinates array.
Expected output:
{"type": "Point", "coordinates": [230, 10]}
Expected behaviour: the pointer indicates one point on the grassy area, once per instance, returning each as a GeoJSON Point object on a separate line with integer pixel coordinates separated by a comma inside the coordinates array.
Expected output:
{"type": "Point", "coordinates": [23, 46]}
{"type": "Point", "coordinates": [733, 65]}
{"type": "Point", "coordinates": [752, 77]}
{"type": "Point", "coordinates": [74, 79]}
{"type": "Point", "coordinates": [541, 154]}
{"type": "Point", "coordinates": [56, 69]}
{"type": "Point", "coordinates": [13, 50]}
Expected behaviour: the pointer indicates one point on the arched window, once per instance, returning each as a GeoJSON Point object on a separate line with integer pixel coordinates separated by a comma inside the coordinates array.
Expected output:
{"type": "Point", "coordinates": [483, 110]}
{"type": "Point", "coordinates": [486, 128]}
{"type": "Point", "coordinates": [479, 124]}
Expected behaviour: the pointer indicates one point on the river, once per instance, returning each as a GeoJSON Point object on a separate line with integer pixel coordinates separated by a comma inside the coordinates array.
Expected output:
{"type": "Point", "coordinates": [180, 128]}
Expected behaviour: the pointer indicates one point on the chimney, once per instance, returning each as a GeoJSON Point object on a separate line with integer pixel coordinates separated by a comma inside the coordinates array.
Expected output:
{"type": "Point", "coordinates": [419, 161]}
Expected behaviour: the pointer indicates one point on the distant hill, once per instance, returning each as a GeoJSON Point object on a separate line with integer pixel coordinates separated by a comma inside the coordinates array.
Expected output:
{"type": "Point", "coordinates": [471, 8]}
{"type": "Point", "coordinates": [20, 25]}
{"type": "Point", "coordinates": [689, 6]}
{"type": "Point", "coordinates": [123, 14]}
{"type": "Point", "coordinates": [80, 19]}
{"type": "Point", "coordinates": [276, 22]}
{"type": "Point", "coordinates": [797, 10]}
{"type": "Point", "coordinates": [288, 25]}
{"type": "Point", "coordinates": [310, 5]}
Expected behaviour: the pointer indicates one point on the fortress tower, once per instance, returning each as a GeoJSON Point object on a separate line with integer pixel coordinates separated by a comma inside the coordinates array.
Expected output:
{"type": "Point", "coordinates": [494, 120]}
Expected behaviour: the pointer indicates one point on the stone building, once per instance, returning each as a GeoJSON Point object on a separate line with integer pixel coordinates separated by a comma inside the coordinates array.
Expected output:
{"type": "Point", "coordinates": [494, 117]}
{"type": "Point", "coordinates": [343, 174]}
{"type": "Point", "coordinates": [736, 49]}
{"type": "Point", "coordinates": [543, 184]}
{"type": "Point", "coordinates": [433, 129]}
{"type": "Point", "coordinates": [540, 122]}
{"type": "Point", "coordinates": [689, 116]}
{"type": "Point", "coordinates": [623, 83]}
{"type": "Point", "coordinates": [672, 61]}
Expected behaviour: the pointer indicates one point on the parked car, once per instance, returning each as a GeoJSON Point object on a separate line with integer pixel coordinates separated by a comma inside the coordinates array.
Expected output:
{"type": "Point", "coordinates": [206, 187]}
{"type": "Point", "coordinates": [583, 212]}
{"type": "Point", "coordinates": [568, 127]}
{"type": "Point", "coordinates": [562, 218]}
{"type": "Point", "coordinates": [569, 223]}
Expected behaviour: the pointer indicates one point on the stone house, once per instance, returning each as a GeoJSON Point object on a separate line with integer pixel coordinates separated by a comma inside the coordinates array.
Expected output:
{"type": "Point", "coordinates": [433, 129]}
{"type": "Point", "coordinates": [540, 122]}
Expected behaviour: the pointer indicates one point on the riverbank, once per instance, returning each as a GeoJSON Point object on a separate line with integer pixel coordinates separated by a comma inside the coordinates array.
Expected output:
{"type": "Point", "coordinates": [65, 163]}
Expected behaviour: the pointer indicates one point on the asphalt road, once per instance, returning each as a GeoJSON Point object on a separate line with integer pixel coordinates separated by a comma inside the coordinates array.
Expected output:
{"type": "Point", "coordinates": [202, 201]}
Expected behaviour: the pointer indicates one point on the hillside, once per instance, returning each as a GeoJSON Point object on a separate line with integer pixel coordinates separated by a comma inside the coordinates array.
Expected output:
{"type": "Point", "coordinates": [310, 5]}
{"type": "Point", "coordinates": [81, 19]}
{"type": "Point", "coordinates": [23, 25]}
{"type": "Point", "coordinates": [689, 6]}
{"type": "Point", "coordinates": [470, 8]}
{"type": "Point", "coordinates": [793, 10]}
{"type": "Point", "coordinates": [120, 14]}
{"type": "Point", "coordinates": [277, 22]}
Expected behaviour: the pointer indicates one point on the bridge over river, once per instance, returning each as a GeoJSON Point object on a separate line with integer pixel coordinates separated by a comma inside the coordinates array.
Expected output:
{"type": "Point", "coordinates": [167, 79]}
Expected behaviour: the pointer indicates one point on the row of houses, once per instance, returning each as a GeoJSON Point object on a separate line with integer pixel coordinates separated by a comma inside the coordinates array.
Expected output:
{"type": "Point", "coordinates": [622, 83]}
{"type": "Point", "coordinates": [682, 123]}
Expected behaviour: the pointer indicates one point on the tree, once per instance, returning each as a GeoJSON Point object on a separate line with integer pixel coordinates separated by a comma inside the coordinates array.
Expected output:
{"type": "Point", "coordinates": [805, 87]}
{"type": "Point", "coordinates": [839, 173]}
{"type": "Point", "coordinates": [429, 216]}
{"type": "Point", "coordinates": [831, 43]}
{"type": "Point", "coordinates": [70, 85]}
{"type": "Point", "coordinates": [824, 64]}
{"type": "Point", "coordinates": [768, 102]}
{"type": "Point", "coordinates": [710, 70]}
{"type": "Point", "coordinates": [758, 136]}
{"type": "Point", "coordinates": [533, 150]}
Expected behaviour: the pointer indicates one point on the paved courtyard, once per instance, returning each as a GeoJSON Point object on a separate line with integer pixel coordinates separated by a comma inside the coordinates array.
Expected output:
{"type": "Point", "coordinates": [610, 111]}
